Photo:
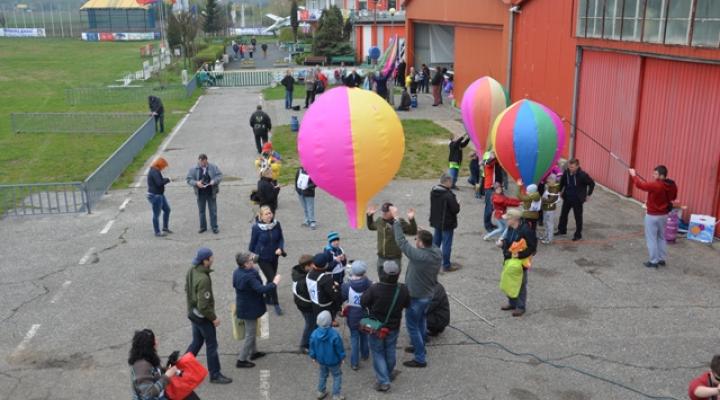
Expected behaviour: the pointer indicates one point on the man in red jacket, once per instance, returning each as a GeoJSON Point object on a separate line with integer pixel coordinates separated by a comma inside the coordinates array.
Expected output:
{"type": "Point", "coordinates": [661, 193]}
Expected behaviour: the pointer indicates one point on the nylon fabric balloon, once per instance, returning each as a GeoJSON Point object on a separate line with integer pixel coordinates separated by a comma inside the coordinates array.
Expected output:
{"type": "Point", "coordinates": [528, 139]}
{"type": "Point", "coordinates": [482, 102]}
{"type": "Point", "coordinates": [351, 143]}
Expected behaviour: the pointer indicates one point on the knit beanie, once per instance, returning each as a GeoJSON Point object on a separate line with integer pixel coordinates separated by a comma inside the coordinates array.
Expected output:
{"type": "Point", "coordinates": [358, 268]}
{"type": "Point", "coordinates": [532, 188]}
{"type": "Point", "coordinates": [324, 319]}
{"type": "Point", "coordinates": [320, 260]}
{"type": "Point", "coordinates": [333, 236]}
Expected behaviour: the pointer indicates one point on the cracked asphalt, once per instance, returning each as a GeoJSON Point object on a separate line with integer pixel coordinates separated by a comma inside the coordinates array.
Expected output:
{"type": "Point", "coordinates": [599, 325]}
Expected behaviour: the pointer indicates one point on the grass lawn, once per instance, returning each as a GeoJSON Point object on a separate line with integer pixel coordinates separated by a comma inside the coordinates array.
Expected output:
{"type": "Point", "coordinates": [278, 92]}
{"type": "Point", "coordinates": [34, 74]}
{"type": "Point", "coordinates": [425, 157]}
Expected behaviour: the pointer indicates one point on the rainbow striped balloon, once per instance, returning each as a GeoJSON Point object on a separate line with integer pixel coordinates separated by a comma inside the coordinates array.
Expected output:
{"type": "Point", "coordinates": [482, 102]}
{"type": "Point", "coordinates": [351, 143]}
{"type": "Point", "coordinates": [528, 138]}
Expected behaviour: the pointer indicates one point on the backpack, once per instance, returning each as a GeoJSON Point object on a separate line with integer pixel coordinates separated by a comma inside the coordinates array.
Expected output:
{"type": "Point", "coordinates": [671, 193]}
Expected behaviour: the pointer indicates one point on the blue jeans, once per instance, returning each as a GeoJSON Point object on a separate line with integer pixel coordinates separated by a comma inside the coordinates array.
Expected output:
{"type": "Point", "coordinates": [416, 324]}
{"type": "Point", "coordinates": [288, 99]}
{"type": "Point", "coordinates": [308, 205]}
{"type": "Point", "coordinates": [454, 173]}
{"type": "Point", "coordinates": [309, 328]}
{"type": "Point", "coordinates": [444, 239]}
{"type": "Point", "coordinates": [384, 355]}
{"type": "Point", "coordinates": [204, 332]}
{"type": "Point", "coordinates": [519, 302]}
{"type": "Point", "coordinates": [211, 202]}
{"type": "Point", "coordinates": [501, 229]}
{"type": "Point", "coordinates": [159, 203]}
{"type": "Point", "coordinates": [358, 346]}
{"type": "Point", "coordinates": [336, 372]}
{"type": "Point", "coordinates": [487, 216]}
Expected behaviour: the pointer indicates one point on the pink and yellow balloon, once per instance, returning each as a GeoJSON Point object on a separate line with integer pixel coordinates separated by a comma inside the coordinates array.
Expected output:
{"type": "Point", "coordinates": [351, 143]}
{"type": "Point", "coordinates": [482, 102]}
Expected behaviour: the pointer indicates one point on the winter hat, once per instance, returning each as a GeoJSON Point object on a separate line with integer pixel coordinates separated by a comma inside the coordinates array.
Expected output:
{"type": "Point", "coordinates": [305, 259]}
{"type": "Point", "coordinates": [203, 254]}
{"type": "Point", "coordinates": [532, 188]}
{"type": "Point", "coordinates": [324, 319]}
{"type": "Point", "coordinates": [358, 268]}
{"type": "Point", "coordinates": [333, 236]}
{"type": "Point", "coordinates": [551, 178]}
{"type": "Point", "coordinates": [267, 147]}
{"type": "Point", "coordinates": [391, 268]}
{"type": "Point", "coordinates": [320, 260]}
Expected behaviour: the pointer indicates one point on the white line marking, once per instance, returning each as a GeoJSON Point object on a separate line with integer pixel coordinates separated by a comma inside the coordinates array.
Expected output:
{"type": "Point", "coordinates": [265, 384]}
{"type": "Point", "coordinates": [124, 204]}
{"type": "Point", "coordinates": [28, 337]}
{"type": "Point", "coordinates": [107, 227]}
{"type": "Point", "coordinates": [264, 327]}
{"type": "Point", "coordinates": [87, 256]}
{"type": "Point", "coordinates": [165, 143]}
{"type": "Point", "coordinates": [60, 292]}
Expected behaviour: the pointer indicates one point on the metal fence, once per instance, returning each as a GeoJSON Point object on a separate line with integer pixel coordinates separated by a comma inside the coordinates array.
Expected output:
{"type": "Point", "coordinates": [191, 86]}
{"type": "Point", "coordinates": [119, 95]}
{"type": "Point", "coordinates": [76, 122]}
{"type": "Point", "coordinates": [42, 198]}
{"type": "Point", "coordinates": [57, 19]}
{"type": "Point", "coordinates": [100, 181]}
{"type": "Point", "coordinates": [240, 78]}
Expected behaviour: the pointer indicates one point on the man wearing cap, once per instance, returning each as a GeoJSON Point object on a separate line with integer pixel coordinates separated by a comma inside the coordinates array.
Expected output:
{"type": "Point", "coordinates": [261, 125]}
{"type": "Point", "coordinates": [302, 298]}
{"type": "Point", "coordinates": [205, 180]}
{"type": "Point", "coordinates": [444, 209]}
{"type": "Point", "coordinates": [324, 292]}
{"type": "Point", "coordinates": [387, 248]}
{"type": "Point", "coordinates": [517, 231]}
{"type": "Point", "coordinates": [201, 312]}
{"type": "Point", "coordinates": [420, 278]}
{"type": "Point", "coordinates": [378, 300]}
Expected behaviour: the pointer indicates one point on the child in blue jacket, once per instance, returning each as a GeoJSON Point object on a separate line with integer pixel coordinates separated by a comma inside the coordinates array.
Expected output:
{"type": "Point", "coordinates": [326, 349]}
{"type": "Point", "coordinates": [352, 290]}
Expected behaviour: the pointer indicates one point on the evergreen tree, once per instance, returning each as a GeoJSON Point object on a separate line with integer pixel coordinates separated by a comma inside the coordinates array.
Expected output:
{"type": "Point", "coordinates": [294, 19]}
{"type": "Point", "coordinates": [212, 17]}
{"type": "Point", "coordinates": [329, 40]}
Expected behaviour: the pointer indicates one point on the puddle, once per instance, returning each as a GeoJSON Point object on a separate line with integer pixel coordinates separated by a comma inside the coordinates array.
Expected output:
{"type": "Point", "coordinates": [569, 312]}
{"type": "Point", "coordinates": [45, 360]}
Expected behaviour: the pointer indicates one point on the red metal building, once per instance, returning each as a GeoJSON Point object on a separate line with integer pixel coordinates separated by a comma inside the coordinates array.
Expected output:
{"type": "Point", "coordinates": [375, 25]}
{"type": "Point", "coordinates": [640, 78]}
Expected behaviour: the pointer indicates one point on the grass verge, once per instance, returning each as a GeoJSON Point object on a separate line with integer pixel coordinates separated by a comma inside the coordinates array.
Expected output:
{"type": "Point", "coordinates": [425, 150]}
{"type": "Point", "coordinates": [278, 92]}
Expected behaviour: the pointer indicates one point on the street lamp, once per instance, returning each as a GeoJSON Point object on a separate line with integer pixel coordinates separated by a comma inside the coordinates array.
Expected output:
{"type": "Point", "coordinates": [392, 85]}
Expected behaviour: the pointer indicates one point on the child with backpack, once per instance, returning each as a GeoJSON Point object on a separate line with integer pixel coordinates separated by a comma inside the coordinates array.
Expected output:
{"type": "Point", "coordinates": [353, 312]}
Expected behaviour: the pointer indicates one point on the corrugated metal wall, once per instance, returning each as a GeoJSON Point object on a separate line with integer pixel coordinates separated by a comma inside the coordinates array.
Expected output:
{"type": "Point", "coordinates": [478, 49]}
{"type": "Point", "coordinates": [609, 84]}
{"type": "Point", "coordinates": [680, 127]}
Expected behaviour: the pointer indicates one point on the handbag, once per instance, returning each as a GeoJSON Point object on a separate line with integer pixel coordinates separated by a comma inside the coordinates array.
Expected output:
{"type": "Point", "coordinates": [239, 325]}
{"type": "Point", "coordinates": [374, 327]}
{"type": "Point", "coordinates": [254, 197]}
{"type": "Point", "coordinates": [192, 374]}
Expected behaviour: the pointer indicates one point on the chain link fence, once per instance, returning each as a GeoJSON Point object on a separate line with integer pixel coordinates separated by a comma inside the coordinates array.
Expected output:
{"type": "Point", "coordinates": [76, 122]}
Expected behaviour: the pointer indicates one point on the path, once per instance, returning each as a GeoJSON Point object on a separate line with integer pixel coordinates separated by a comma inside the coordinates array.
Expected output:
{"type": "Point", "coordinates": [72, 295]}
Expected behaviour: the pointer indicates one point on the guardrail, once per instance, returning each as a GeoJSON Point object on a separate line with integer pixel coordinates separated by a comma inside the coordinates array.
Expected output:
{"type": "Point", "coordinates": [103, 177]}
{"type": "Point", "coordinates": [76, 122]}
{"type": "Point", "coordinates": [238, 78]}
{"type": "Point", "coordinates": [42, 198]}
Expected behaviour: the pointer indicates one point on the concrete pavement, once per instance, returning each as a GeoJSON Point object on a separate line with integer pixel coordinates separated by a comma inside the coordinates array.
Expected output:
{"type": "Point", "coordinates": [592, 306]}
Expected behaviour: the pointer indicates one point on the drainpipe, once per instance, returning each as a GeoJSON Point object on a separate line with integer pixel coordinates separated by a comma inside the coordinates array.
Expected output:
{"type": "Point", "coordinates": [576, 88]}
{"type": "Point", "coordinates": [511, 40]}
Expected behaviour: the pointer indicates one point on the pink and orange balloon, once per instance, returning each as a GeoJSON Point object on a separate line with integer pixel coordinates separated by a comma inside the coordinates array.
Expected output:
{"type": "Point", "coordinates": [351, 143]}
{"type": "Point", "coordinates": [528, 138]}
{"type": "Point", "coordinates": [482, 102]}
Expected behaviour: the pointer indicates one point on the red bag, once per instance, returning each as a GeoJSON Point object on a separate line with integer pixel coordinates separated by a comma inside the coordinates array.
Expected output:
{"type": "Point", "coordinates": [193, 374]}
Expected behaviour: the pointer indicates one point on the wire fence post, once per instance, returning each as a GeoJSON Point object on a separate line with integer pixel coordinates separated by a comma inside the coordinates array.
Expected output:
{"type": "Point", "coordinates": [71, 20]}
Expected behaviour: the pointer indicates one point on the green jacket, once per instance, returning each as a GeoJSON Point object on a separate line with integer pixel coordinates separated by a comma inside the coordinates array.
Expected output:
{"type": "Point", "coordinates": [386, 245]}
{"type": "Point", "coordinates": [549, 203]}
{"type": "Point", "coordinates": [198, 288]}
{"type": "Point", "coordinates": [527, 205]}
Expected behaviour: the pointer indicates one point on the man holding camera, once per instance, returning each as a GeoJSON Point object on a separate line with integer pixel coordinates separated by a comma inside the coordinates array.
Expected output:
{"type": "Point", "coordinates": [205, 180]}
{"type": "Point", "coordinates": [384, 305]}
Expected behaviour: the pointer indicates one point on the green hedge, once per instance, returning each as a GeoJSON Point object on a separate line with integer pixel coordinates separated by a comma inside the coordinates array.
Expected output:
{"type": "Point", "coordinates": [209, 54]}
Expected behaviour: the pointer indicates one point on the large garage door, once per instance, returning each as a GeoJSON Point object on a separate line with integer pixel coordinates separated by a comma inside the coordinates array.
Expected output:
{"type": "Point", "coordinates": [434, 44]}
{"type": "Point", "coordinates": [606, 115]}
{"type": "Point", "coordinates": [680, 127]}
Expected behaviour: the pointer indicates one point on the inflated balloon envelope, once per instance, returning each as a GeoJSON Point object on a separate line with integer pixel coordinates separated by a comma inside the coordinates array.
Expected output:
{"type": "Point", "coordinates": [351, 143]}
{"type": "Point", "coordinates": [482, 102]}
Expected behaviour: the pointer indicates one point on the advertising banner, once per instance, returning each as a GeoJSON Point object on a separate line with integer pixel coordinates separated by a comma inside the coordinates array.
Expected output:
{"type": "Point", "coordinates": [22, 32]}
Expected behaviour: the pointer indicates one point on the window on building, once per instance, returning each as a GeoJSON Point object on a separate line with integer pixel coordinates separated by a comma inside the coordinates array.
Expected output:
{"type": "Point", "coordinates": [677, 22]}
{"type": "Point", "coordinates": [363, 5]}
{"type": "Point", "coordinates": [706, 25]}
{"type": "Point", "coordinates": [392, 4]}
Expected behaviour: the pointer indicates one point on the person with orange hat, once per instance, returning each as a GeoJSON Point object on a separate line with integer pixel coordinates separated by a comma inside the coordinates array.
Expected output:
{"type": "Point", "coordinates": [156, 196]}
